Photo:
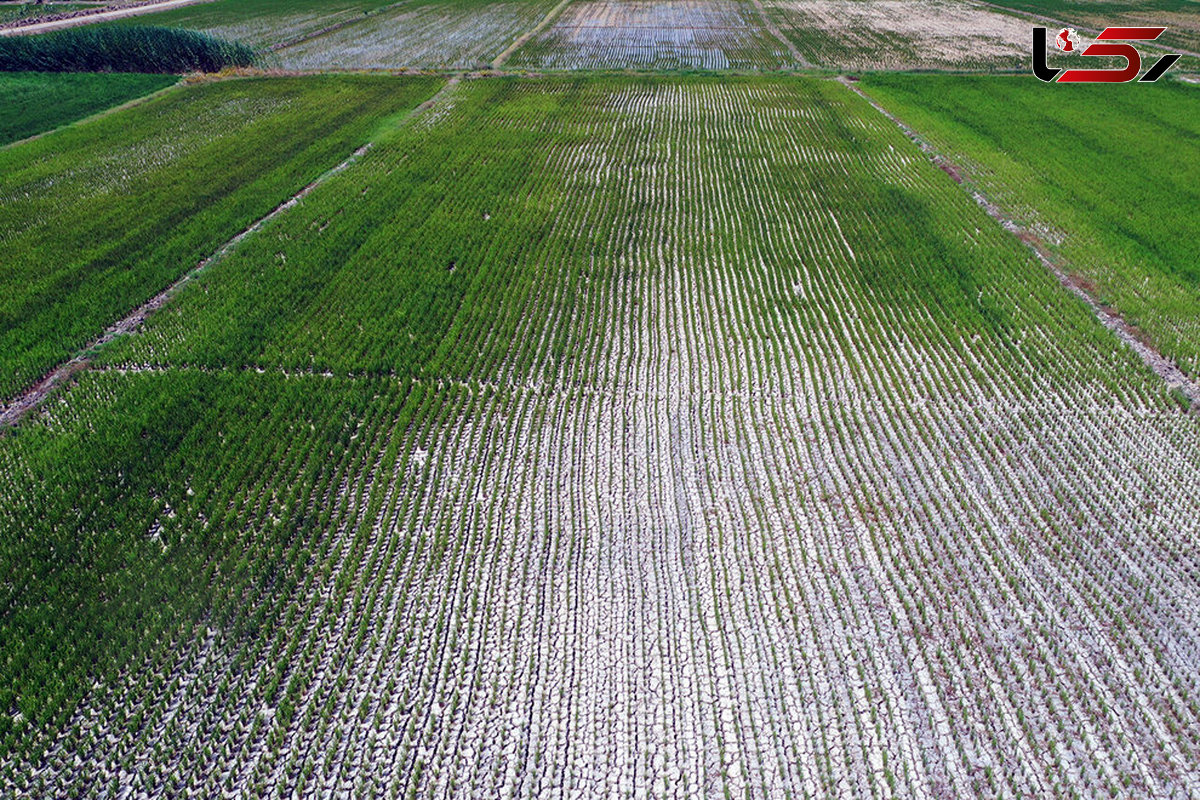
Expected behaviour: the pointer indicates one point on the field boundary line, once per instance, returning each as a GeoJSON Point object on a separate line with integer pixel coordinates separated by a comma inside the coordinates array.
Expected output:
{"type": "Point", "coordinates": [773, 29]}
{"type": "Point", "coordinates": [1110, 318]}
{"type": "Point", "coordinates": [520, 41]}
{"type": "Point", "coordinates": [33, 396]}
{"type": "Point", "coordinates": [87, 17]}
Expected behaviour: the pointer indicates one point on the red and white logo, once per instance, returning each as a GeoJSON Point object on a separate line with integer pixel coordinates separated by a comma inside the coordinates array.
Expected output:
{"type": "Point", "coordinates": [1110, 42]}
{"type": "Point", "coordinates": [1066, 40]}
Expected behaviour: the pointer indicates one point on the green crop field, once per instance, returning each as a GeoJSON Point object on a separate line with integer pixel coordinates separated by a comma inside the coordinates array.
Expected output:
{"type": "Point", "coordinates": [634, 398]}
{"type": "Point", "coordinates": [97, 218]}
{"type": "Point", "coordinates": [32, 103]}
{"type": "Point", "coordinates": [1108, 175]}
{"type": "Point", "coordinates": [412, 445]}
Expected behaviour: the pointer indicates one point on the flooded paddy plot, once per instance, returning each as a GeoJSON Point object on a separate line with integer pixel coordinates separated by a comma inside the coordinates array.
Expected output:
{"type": "Point", "coordinates": [656, 34]}
{"type": "Point", "coordinates": [453, 33]}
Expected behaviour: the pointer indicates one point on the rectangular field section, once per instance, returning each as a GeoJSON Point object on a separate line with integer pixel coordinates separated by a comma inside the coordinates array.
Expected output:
{"type": "Point", "coordinates": [1108, 177]}
{"type": "Point", "coordinates": [421, 33]}
{"type": "Point", "coordinates": [96, 219]}
{"type": "Point", "coordinates": [34, 102]}
{"type": "Point", "coordinates": [656, 34]}
{"type": "Point", "coordinates": [263, 23]}
{"type": "Point", "coordinates": [605, 433]}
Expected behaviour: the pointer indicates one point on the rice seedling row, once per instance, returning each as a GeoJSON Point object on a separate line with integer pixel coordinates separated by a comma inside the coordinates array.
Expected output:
{"type": "Point", "coordinates": [743, 454]}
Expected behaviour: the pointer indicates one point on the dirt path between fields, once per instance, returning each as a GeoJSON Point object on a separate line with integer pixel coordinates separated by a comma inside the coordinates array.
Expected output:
{"type": "Point", "coordinates": [525, 37]}
{"type": "Point", "coordinates": [88, 16]}
{"type": "Point", "coordinates": [35, 395]}
{"type": "Point", "coordinates": [778, 34]}
{"type": "Point", "coordinates": [1162, 366]}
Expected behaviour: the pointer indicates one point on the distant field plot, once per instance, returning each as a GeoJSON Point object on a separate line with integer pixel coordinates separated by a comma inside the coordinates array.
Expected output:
{"type": "Point", "coordinates": [31, 103]}
{"type": "Point", "coordinates": [902, 34]}
{"type": "Point", "coordinates": [601, 433]}
{"type": "Point", "coordinates": [97, 218]}
{"type": "Point", "coordinates": [422, 33]}
{"type": "Point", "coordinates": [656, 34]}
{"type": "Point", "coordinates": [1181, 17]}
{"type": "Point", "coordinates": [1109, 176]}
{"type": "Point", "coordinates": [263, 23]}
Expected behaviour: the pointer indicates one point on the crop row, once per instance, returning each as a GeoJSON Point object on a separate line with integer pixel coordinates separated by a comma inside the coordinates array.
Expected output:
{"type": "Point", "coordinates": [719, 444]}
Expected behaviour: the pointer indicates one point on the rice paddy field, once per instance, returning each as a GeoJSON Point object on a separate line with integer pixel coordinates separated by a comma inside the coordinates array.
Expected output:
{"type": "Point", "coordinates": [265, 23]}
{"type": "Point", "coordinates": [903, 34]}
{"type": "Point", "coordinates": [657, 34]}
{"type": "Point", "coordinates": [437, 33]}
{"type": "Point", "coordinates": [32, 103]}
{"type": "Point", "coordinates": [633, 399]}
